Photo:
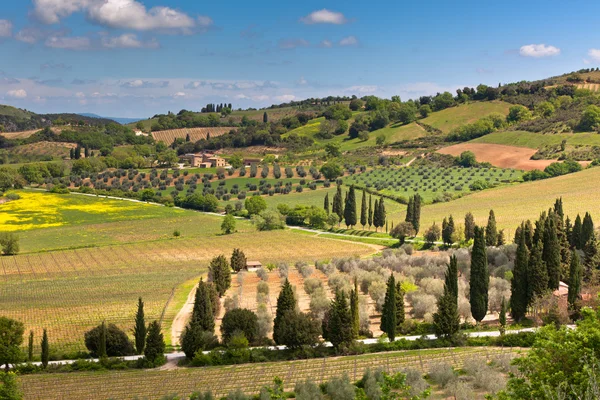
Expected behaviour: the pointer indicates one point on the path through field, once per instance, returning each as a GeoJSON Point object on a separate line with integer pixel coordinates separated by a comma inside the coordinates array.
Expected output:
{"type": "Point", "coordinates": [182, 317]}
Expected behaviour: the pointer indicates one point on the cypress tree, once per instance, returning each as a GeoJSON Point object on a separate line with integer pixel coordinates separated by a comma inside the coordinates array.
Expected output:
{"type": "Point", "coordinates": [285, 302]}
{"type": "Point", "coordinates": [382, 213]}
{"type": "Point", "coordinates": [400, 316]}
{"type": "Point", "coordinates": [202, 313]}
{"type": "Point", "coordinates": [220, 274]}
{"type": "Point", "coordinates": [491, 233]}
{"type": "Point", "coordinates": [528, 232]}
{"type": "Point", "coordinates": [265, 117]}
{"type": "Point", "coordinates": [139, 330]}
{"type": "Point", "coordinates": [338, 205]}
{"type": "Point", "coordinates": [46, 348]}
{"type": "Point", "coordinates": [388, 316]}
{"type": "Point", "coordinates": [569, 231]}
{"type": "Point", "coordinates": [354, 304]}
{"type": "Point", "coordinates": [417, 213]}
{"type": "Point", "coordinates": [480, 278]}
{"type": "Point", "coordinates": [519, 299]}
{"type": "Point", "coordinates": [502, 317]}
{"type": "Point", "coordinates": [591, 261]}
{"type": "Point", "coordinates": [155, 342]}
{"type": "Point", "coordinates": [551, 253]}
{"type": "Point", "coordinates": [30, 347]}
{"type": "Point", "coordinates": [537, 277]}
{"type": "Point", "coordinates": [86, 151]}
{"type": "Point", "coordinates": [337, 324]}
{"type": "Point", "coordinates": [326, 203]}
{"type": "Point", "coordinates": [444, 229]}
{"type": "Point", "coordinates": [558, 209]}
{"type": "Point", "coordinates": [446, 320]}
{"type": "Point", "coordinates": [587, 229]}
{"type": "Point", "coordinates": [500, 241]}
{"type": "Point", "coordinates": [102, 344]}
{"type": "Point", "coordinates": [410, 210]}
{"type": "Point", "coordinates": [71, 154]}
{"type": "Point", "coordinates": [575, 276]}
{"type": "Point", "coordinates": [238, 260]}
{"type": "Point", "coordinates": [376, 215]}
{"type": "Point", "coordinates": [363, 210]}
{"type": "Point", "coordinates": [350, 209]}
{"type": "Point", "coordinates": [469, 226]}
{"type": "Point", "coordinates": [448, 230]}
{"type": "Point", "coordinates": [576, 234]}
{"type": "Point", "coordinates": [370, 216]}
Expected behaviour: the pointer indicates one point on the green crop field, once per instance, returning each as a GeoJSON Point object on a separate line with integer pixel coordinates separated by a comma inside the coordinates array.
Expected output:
{"type": "Point", "coordinates": [538, 140]}
{"type": "Point", "coordinates": [431, 183]}
{"type": "Point", "coordinates": [453, 117]}
{"type": "Point", "coordinates": [248, 377]}
{"type": "Point", "coordinates": [514, 204]}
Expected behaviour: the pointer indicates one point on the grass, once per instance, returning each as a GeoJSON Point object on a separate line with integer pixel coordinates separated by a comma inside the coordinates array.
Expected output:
{"type": "Point", "coordinates": [14, 112]}
{"type": "Point", "coordinates": [248, 377]}
{"type": "Point", "coordinates": [513, 204]}
{"type": "Point", "coordinates": [534, 140]}
{"type": "Point", "coordinates": [453, 117]}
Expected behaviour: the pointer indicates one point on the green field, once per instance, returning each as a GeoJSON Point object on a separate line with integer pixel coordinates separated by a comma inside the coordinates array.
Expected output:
{"type": "Point", "coordinates": [248, 377]}
{"type": "Point", "coordinates": [513, 204]}
{"type": "Point", "coordinates": [453, 117]}
{"type": "Point", "coordinates": [538, 140]}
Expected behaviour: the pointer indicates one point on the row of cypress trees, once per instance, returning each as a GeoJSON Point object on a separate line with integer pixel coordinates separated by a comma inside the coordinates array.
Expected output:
{"type": "Point", "coordinates": [345, 208]}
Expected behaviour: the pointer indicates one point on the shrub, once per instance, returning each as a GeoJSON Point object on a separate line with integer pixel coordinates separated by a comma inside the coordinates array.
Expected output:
{"type": "Point", "coordinates": [442, 374]}
{"type": "Point", "coordinates": [311, 285]}
{"type": "Point", "coordinates": [341, 389]}
{"type": "Point", "coordinates": [262, 274]}
{"type": "Point", "coordinates": [117, 342]}
{"type": "Point", "coordinates": [307, 390]}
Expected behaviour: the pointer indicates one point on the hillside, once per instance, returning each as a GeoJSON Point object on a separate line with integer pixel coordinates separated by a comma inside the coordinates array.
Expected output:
{"type": "Point", "coordinates": [454, 117]}
{"type": "Point", "coordinates": [16, 120]}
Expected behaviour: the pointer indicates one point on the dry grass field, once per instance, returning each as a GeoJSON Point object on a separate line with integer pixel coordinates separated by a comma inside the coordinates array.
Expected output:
{"type": "Point", "coordinates": [25, 134]}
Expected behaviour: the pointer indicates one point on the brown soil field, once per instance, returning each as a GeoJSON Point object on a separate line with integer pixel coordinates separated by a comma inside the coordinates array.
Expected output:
{"type": "Point", "coordinates": [25, 134]}
{"type": "Point", "coordinates": [500, 155]}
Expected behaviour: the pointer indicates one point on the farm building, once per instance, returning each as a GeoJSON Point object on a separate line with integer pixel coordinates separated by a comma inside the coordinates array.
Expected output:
{"type": "Point", "coordinates": [253, 265]}
{"type": "Point", "coordinates": [249, 161]}
{"type": "Point", "coordinates": [203, 160]}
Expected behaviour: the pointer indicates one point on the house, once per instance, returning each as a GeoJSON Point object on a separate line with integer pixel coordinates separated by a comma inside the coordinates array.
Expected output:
{"type": "Point", "coordinates": [140, 133]}
{"type": "Point", "coordinates": [216, 161]}
{"type": "Point", "coordinates": [203, 160]}
{"type": "Point", "coordinates": [562, 291]}
{"type": "Point", "coordinates": [253, 265]}
{"type": "Point", "coordinates": [249, 161]}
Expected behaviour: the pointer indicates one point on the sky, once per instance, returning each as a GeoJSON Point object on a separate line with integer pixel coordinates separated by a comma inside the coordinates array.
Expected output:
{"type": "Point", "coordinates": [137, 58]}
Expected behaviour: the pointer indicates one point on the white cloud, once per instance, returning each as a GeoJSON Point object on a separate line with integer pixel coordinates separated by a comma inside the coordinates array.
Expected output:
{"type": "Point", "coordinates": [29, 35]}
{"type": "Point", "coordinates": [288, 44]}
{"type": "Point", "coordinates": [68, 43]}
{"type": "Point", "coordinates": [140, 84]}
{"type": "Point", "coordinates": [285, 98]}
{"type": "Point", "coordinates": [123, 14]}
{"type": "Point", "coordinates": [5, 28]}
{"type": "Point", "coordinates": [326, 44]}
{"type": "Point", "coordinates": [349, 41]}
{"type": "Point", "coordinates": [362, 89]}
{"type": "Point", "coordinates": [128, 41]}
{"type": "Point", "coordinates": [302, 81]}
{"type": "Point", "coordinates": [594, 54]}
{"type": "Point", "coordinates": [538, 51]}
{"type": "Point", "coordinates": [324, 16]}
{"type": "Point", "coordinates": [17, 94]}
{"type": "Point", "coordinates": [179, 95]}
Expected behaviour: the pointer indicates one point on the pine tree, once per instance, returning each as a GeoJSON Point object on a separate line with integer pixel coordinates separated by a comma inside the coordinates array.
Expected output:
{"type": "Point", "coordinates": [46, 349]}
{"type": "Point", "coordinates": [30, 347]}
{"type": "Point", "coordinates": [220, 274]}
{"type": "Point", "coordinates": [326, 203]}
{"type": "Point", "coordinates": [370, 216]}
{"type": "Point", "coordinates": [469, 226]}
{"type": "Point", "coordinates": [139, 331]}
{"type": "Point", "coordinates": [575, 276]}
{"type": "Point", "coordinates": [388, 316]}
{"type": "Point", "coordinates": [102, 344]}
{"type": "Point", "coordinates": [337, 324]}
{"type": "Point", "coordinates": [363, 210]}
{"type": "Point", "coordinates": [519, 299]}
{"type": "Point", "coordinates": [502, 317]}
{"type": "Point", "coordinates": [354, 311]}
{"type": "Point", "coordinates": [480, 278]}
{"type": "Point", "coordinates": [285, 302]}
{"type": "Point", "coordinates": [491, 233]}
{"type": "Point", "coordinates": [202, 313]}
{"type": "Point", "coordinates": [238, 260]}
{"type": "Point", "coordinates": [350, 208]}
{"type": "Point", "coordinates": [551, 253]}
{"type": "Point", "coordinates": [446, 320]}
{"type": "Point", "coordinates": [400, 315]}
{"type": "Point", "coordinates": [537, 276]}
{"type": "Point", "coordinates": [155, 343]}
{"type": "Point", "coordinates": [576, 234]}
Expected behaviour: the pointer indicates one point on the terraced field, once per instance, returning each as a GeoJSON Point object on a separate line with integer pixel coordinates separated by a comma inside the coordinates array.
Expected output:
{"type": "Point", "coordinates": [248, 377]}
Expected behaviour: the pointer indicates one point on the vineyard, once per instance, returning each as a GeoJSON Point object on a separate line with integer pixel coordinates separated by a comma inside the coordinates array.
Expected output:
{"type": "Point", "coordinates": [71, 291]}
{"type": "Point", "coordinates": [195, 134]}
{"type": "Point", "coordinates": [250, 377]}
{"type": "Point", "coordinates": [433, 184]}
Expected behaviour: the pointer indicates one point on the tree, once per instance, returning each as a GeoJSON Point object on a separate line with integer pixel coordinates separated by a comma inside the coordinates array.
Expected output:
{"type": "Point", "coordinates": [380, 140]}
{"type": "Point", "coordinates": [269, 220]}
{"type": "Point", "coordinates": [354, 304]}
{"type": "Point", "coordinates": [448, 231]}
{"type": "Point", "coordinates": [220, 274]}
{"type": "Point", "coordinates": [370, 215]}
{"type": "Point", "coordinates": [363, 210]}
{"type": "Point", "coordinates": [590, 119]}
{"type": "Point", "coordinates": [30, 347]}
{"type": "Point", "coordinates": [480, 278]}
{"type": "Point", "coordinates": [402, 231]}
{"type": "Point", "coordinates": [337, 323]}
{"type": "Point", "coordinates": [331, 171]}
{"type": "Point", "coordinates": [194, 339]}
{"type": "Point", "coordinates": [446, 319]}
{"type": "Point", "coordinates": [388, 316]}
{"type": "Point", "coordinates": [432, 234]}
{"type": "Point", "coordinates": [518, 113]}
{"type": "Point", "coordinates": [139, 331]}
{"type": "Point", "coordinates": [286, 301]}
{"type": "Point", "coordinates": [502, 317]}
{"type": "Point", "coordinates": [9, 386]}
{"type": "Point", "coordinates": [400, 316]}
{"type": "Point", "coordinates": [575, 276]}
{"type": "Point", "coordinates": [298, 329]}
{"type": "Point", "coordinates": [333, 150]}
{"type": "Point", "coordinates": [519, 288]}
{"type": "Point", "coordinates": [242, 320]}
{"type": "Point", "coordinates": [491, 233]}
{"type": "Point", "coordinates": [116, 343]}
{"type": "Point", "coordinates": [576, 234]}
{"type": "Point", "coordinates": [255, 205]}
{"type": "Point", "coordinates": [537, 277]}
{"type": "Point", "coordinates": [326, 203]}
{"type": "Point", "coordinates": [410, 210]}
{"type": "Point", "coordinates": [469, 226]}
{"type": "Point", "coordinates": [45, 349]}
{"type": "Point", "coordinates": [155, 343]}
{"type": "Point", "coordinates": [551, 253]}
{"type": "Point", "coordinates": [11, 338]}
{"type": "Point", "coordinates": [466, 159]}
{"type": "Point", "coordinates": [9, 243]}
{"type": "Point", "coordinates": [202, 313]}
{"type": "Point", "coordinates": [338, 205]}
{"type": "Point", "coordinates": [382, 214]}
{"type": "Point", "coordinates": [587, 230]}
{"type": "Point", "coordinates": [417, 212]}
{"type": "Point", "coordinates": [238, 260]}
{"type": "Point", "coordinates": [265, 117]}
{"type": "Point", "coordinates": [228, 224]}
{"type": "Point", "coordinates": [350, 208]}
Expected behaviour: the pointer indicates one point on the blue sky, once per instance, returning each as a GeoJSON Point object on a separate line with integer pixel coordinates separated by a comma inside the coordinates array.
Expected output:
{"type": "Point", "coordinates": [136, 58]}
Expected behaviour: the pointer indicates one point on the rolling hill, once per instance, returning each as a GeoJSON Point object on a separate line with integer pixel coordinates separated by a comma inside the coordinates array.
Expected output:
{"type": "Point", "coordinates": [14, 119]}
